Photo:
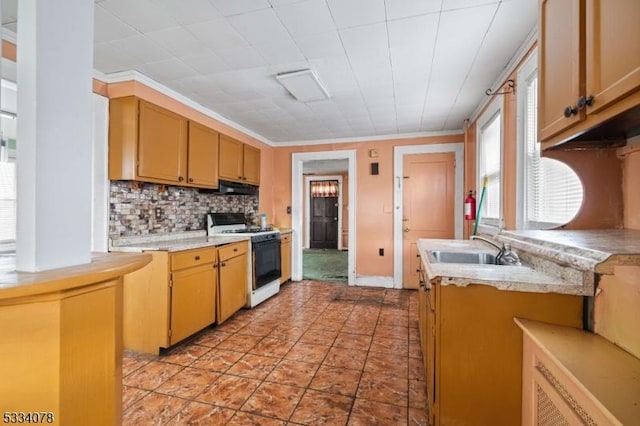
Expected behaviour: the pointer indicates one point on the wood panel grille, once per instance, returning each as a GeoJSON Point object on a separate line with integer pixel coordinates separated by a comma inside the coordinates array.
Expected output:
{"type": "Point", "coordinates": [575, 406]}
{"type": "Point", "coordinates": [547, 412]}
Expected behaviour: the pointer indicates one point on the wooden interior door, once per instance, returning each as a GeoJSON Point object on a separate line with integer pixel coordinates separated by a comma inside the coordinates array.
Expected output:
{"type": "Point", "coordinates": [324, 222]}
{"type": "Point", "coordinates": [428, 200]}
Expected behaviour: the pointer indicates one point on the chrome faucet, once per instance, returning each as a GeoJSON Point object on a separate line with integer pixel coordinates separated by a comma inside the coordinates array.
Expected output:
{"type": "Point", "coordinates": [505, 255]}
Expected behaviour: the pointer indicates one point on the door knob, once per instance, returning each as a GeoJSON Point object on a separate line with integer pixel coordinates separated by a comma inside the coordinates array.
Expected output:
{"type": "Point", "coordinates": [335, 218]}
{"type": "Point", "coordinates": [406, 229]}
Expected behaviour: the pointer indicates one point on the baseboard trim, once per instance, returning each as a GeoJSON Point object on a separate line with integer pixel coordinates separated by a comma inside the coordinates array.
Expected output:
{"type": "Point", "coordinates": [374, 281]}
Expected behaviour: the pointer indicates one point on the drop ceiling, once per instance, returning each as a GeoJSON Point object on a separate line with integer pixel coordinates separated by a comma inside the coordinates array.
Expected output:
{"type": "Point", "coordinates": [392, 67]}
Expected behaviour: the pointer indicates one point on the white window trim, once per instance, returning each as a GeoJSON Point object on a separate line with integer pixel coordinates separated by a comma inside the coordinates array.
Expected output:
{"type": "Point", "coordinates": [525, 73]}
{"type": "Point", "coordinates": [490, 226]}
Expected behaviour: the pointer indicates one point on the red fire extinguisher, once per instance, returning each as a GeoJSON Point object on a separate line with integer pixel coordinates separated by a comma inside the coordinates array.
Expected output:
{"type": "Point", "coordinates": [470, 206]}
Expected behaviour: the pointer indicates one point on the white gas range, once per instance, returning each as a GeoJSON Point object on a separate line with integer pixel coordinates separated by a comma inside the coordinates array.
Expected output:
{"type": "Point", "coordinates": [265, 253]}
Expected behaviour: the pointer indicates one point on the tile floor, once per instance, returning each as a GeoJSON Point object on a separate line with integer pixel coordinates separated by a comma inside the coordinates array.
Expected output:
{"type": "Point", "coordinates": [317, 353]}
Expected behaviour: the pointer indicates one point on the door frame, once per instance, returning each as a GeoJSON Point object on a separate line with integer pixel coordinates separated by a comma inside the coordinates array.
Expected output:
{"type": "Point", "coordinates": [398, 186]}
{"type": "Point", "coordinates": [297, 213]}
{"type": "Point", "coordinates": [307, 208]}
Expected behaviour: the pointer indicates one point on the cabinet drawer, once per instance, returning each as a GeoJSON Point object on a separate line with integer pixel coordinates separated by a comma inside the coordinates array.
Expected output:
{"type": "Point", "coordinates": [232, 250]}
{"type": "Point", "coordinates": [189, 258]}
{"type": "Point", "coordinates": [285, 238]}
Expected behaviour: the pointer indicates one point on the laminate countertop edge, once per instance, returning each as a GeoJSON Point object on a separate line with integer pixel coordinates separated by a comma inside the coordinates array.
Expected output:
{"type": "Point", "coordinates": [103, 267]}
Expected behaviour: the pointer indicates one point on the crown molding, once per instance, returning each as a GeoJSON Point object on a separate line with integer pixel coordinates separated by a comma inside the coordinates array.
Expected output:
{"type": "Point", "coordinates": [138, 77]}
{"type": "Point", "coordinates": [372, 138]}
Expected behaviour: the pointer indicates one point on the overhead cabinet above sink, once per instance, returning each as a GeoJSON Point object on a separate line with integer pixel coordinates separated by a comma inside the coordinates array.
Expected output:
{"type": "Point", "coordinates": [589, 68]}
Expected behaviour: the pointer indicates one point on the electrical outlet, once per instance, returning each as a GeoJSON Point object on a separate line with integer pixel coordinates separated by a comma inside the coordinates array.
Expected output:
{"type": "Point", "coordinates": [288, 209]}
{"type": "Point", "coordinates": [381, 251]}
{"type": "Point", "coordinates": [158, 213]}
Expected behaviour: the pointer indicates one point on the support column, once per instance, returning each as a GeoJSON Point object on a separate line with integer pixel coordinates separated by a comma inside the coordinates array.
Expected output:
{"type": "Point", "coordinates": [55, 70]}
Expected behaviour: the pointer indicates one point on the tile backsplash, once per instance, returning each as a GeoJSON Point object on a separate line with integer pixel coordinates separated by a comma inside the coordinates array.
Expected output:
{"type": "Point", "coordinates": [132, 210]}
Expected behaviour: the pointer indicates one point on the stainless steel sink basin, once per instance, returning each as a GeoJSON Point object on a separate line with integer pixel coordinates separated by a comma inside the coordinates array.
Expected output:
{"type": "Point", "coordinates": [478, 258]}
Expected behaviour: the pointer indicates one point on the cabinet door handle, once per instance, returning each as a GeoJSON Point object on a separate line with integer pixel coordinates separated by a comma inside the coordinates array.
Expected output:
{"type": "Point", "coordinates": [180, 178]}
{"type": "Point", "coordinates": [197, 257]}
{"type": "Point", "coordinates": [215, 266]}
{"type": "Point", "coordinates": [570, 110]}
{"type": "Point", "coordinates": [235, 249]}
{"type": "Point", "coordinates": [585, 102]}
{"type": "Point", "coordinates": [190, 179]}
{"type": "Point", "coordinates": [223, 263]}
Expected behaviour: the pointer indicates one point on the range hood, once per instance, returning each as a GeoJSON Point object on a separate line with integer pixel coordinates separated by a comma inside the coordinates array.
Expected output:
{"type": "Point", "coordinates": [228, 187]}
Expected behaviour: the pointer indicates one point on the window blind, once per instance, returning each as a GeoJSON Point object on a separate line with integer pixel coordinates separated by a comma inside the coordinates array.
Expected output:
{"type": "Point", "coordinates": [7, 201]}
{"type": "Point", "coordinates": [490, 158]}
{"type": "Point", "coordinates": [553, 190]}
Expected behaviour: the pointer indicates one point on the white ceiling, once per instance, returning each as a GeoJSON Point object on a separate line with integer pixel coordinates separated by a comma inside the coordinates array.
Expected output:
{"type": "Point", "coordinates": [392, 67]}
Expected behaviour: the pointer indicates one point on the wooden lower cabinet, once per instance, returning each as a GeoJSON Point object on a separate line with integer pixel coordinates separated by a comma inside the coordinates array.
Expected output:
{"type": "Point", "coordinates": [285, 257]}
{"type": "Point", "coordinates": [232, 288]}
{"type": "Point", "coordinates": [472, 349]}
{"type": "Point", "coordinates": [180, 293]}
{"type": "Point", "coordinates": [193, 300]}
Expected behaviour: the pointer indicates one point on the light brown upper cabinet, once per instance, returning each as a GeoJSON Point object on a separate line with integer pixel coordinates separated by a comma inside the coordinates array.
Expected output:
{"type": "Point", "coordinates": [239, 162]}
{"type": "Point", "coordinates": [203, 156]}
{"type": "Point", "coordinates": [589, 65]}
{"type": "Point", "coordinates": [151, 144]}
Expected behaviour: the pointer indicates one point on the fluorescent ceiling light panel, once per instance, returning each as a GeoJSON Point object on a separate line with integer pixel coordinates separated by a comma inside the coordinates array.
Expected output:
{"type": "Point", "coordinates": [304, 85]}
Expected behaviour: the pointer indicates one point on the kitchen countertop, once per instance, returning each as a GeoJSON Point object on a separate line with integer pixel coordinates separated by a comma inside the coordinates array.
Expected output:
{"type": "Point", "coordinates": [513, 278]}
{"type": "Point", "coordinates": [556, 261]}
{"type": "Point", "coordinates": [172, 242]}
{"type": "Point", "coordinates": [103, 267]}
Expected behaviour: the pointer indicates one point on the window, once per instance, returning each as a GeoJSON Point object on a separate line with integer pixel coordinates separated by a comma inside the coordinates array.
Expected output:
{"type": "Point", "coordinates": [8, 163]}
{"type": "Point", "coordinates": [490, 164]}
{"type": "Point", "coordinates": [549, 192]}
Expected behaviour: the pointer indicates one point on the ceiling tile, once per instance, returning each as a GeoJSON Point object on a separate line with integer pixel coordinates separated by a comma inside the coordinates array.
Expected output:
{"type": "Point", "coordinates": [404, 8]}
{"type": "Point", "coordinates": [177, 40]}
{"type": "Point", "coordinates": [320, 45]}
{"type": "Point", "coordinates": [143, 15]}
{"type": "Point", "coordinates": [109, 59]}
{"type": "Point", "coordinates": [141, 48]}
{"type": "Point", "coordinates": [306, 17]}
{"type": "Point", "coordinates": [189, 11]}
{"type": "Point", "coordinates": [278, 3]}
{"type": "Point", "coordinates": [170, 69]}
{"type": "Point", "coordinates": [280, 52]}
{"type": "Point", "coordinates": [207, 62]}
{"type": "Point", "coordinates": [261, 27]}
{"type": "Point", "coordinates": [242, 57]}
{"type": "Point", "coordinates": [108, 28]}
{"type": "Point", "coordinates": [335, 73]}
{"type": "Point", "coordinates": [217, 34]}
{"type": "Point", "coordinates": [351, 13]}
{"type": "Point", "coordinates": [236, 7]}
{"type": "Point", "coordinates": [367, 40]}
{"type": "Point", "coordinates": [463, 4]}
{"type": "Point", "coordinates": [418, 32]}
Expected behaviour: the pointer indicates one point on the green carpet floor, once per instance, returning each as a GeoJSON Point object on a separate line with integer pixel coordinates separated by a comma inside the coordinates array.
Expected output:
{"type": "Point", "coordinates": [324, 265]}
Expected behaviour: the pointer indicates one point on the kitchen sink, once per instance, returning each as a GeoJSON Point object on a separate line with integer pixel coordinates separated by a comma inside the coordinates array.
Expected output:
{"type": "Point", "coordinates": [478, 258]}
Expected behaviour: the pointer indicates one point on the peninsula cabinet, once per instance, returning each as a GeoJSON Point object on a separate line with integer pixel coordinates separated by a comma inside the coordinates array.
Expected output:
{"type": "Point", "coordinates": [239, 162]}
{"type": "Point", "coordinates": [472, 349]}
{"type": "Point", "coordinates": [148, 143]}
{"type": "Point", "coordinates": [589, 65]}
{"type": "Point", "coordinates": [180, 293]}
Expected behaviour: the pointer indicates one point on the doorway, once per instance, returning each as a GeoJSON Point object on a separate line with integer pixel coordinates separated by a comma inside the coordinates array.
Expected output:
{"type": "Point", "coordinates": [404, 251]}
{"type": "Point", "coordinates": [301, 228]}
